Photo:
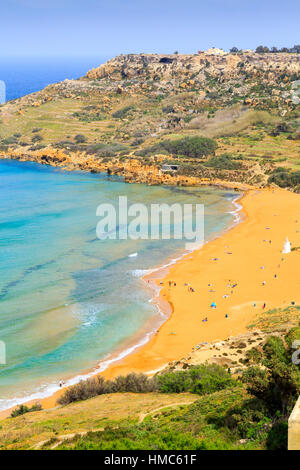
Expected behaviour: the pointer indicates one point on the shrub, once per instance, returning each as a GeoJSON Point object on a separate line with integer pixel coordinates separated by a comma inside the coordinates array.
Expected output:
{"type": "Point", "coordinates": [191, 146]}
{"type": "Point", "coordinates": [257, 381]}
{"type": "Point", "coordinates": [278, 384]}
{"type": "Point", "coordinates": [10, 140]}
{"type": "Point", "coordinates": [254, 355]}
{"type": "Point", "coordinates": [37, 138]}
{"type": "Point", "coordinates": [194, 147]}
{"type": "Point", "coordinates": [88, 117]}
{"type": "Point", "coordinates": [121, 113]}
{"type": "Point", "coordinates": [203, 379]}
{"type": "Point", "coordinates": [224, 162]}
{"type": "Point", "coordinates": [80, 139]}
{"type": "Point", "coordinates": [284, 177]}
{"type": "Point", "coordinates": [22, 409]}
{"type": "Point", "coordinates": [283, 127]}
{"type": "Point", "coordinates": [85, 389]}
{"type": "Point", "coordinates": [168, 109]}
{"type": "Point", "coordinates": [292, 335]}
{"type": "Point", "coordinates": [135, 383]}
{"type": "Point", "coordinates": [174, 382]}
{"type": "Point", "coordinates": [247, 418]}
{"type": "Point", "coordinates": [107, 150]}
{"type": "Point", "coordinates": [278, 437]}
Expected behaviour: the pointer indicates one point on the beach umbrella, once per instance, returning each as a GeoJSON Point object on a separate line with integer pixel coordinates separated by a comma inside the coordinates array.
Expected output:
{"type": "Point", "coordinates": [286, 246]}
{"type": "Point", "coordinates": [213, 304]}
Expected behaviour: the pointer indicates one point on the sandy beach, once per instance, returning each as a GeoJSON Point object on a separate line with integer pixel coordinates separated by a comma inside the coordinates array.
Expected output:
{"type": "Point", "coordinates": [243, 272]}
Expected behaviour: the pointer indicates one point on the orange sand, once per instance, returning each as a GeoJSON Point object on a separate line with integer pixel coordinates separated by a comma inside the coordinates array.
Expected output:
{"type": "Point", "coordinates": [241, 252]}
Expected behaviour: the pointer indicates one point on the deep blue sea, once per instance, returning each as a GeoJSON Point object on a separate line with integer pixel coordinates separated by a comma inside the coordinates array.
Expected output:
{"type": "Point", "coordinates": [24, 75]}
{"type": "Point", "coordinates": [67, 299]}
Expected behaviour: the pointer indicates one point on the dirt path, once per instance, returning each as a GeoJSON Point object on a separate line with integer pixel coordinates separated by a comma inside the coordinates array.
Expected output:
{"type": "Point", "coordinates": [142, 416]}
{"type": "Point", "coordinates": [65, 437]}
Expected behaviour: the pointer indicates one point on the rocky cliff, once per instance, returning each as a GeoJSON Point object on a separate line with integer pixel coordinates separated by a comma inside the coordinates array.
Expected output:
{"type": "Point", "coordinates": [123, 110]}
{"type": "Point", "coordinates": [197, 66]}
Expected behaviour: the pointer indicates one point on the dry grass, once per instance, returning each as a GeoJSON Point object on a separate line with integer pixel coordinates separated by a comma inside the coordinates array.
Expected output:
{"type": "Point", "coordinates": [27, 430]}
{"type": "Point", "coordinates": [277, 319]}
{"type": "Point", "coordinates": [227, 122]}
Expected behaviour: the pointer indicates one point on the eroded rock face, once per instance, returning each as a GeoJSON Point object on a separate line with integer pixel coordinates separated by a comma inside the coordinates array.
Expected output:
{"type": "Point", "coordinates": [166, 67]}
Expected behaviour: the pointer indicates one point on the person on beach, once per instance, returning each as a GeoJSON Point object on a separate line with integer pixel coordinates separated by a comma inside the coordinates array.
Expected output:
{"type": "Point", "coordinates": [264, 306]}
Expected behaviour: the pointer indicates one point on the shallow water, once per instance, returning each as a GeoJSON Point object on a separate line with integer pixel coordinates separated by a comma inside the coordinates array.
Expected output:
{"type": "Point", "coordinates": [68, 299]}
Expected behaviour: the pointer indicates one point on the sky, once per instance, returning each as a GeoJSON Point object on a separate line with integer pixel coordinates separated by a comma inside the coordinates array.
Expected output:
{"type": "Point", "coordinates": [72, 28]}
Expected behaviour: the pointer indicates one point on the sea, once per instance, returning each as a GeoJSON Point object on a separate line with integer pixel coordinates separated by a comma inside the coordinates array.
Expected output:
{"type": "Point", "coordinates": [70, 301]}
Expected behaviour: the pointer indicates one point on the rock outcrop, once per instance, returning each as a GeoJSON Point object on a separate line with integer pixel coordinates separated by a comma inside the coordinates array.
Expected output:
{"type": "Point", "coordinates": [196, 66]}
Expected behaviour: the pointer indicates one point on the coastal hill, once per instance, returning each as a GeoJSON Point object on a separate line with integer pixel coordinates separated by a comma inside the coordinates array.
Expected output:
{"type": "Point", "coordinates": [176, 71]}
{"type": "Point", "coordinates": [212, 117]}
{"type": "Point", "coordinates": [121, 116]}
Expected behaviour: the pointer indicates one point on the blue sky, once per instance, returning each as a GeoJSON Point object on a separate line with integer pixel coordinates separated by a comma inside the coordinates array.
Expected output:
{"type": "Point", "coordinates": [106, 28]}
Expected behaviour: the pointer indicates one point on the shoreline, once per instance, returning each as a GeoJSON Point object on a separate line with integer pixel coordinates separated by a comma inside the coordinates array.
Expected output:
{"type": "Point", "coordinates": [161, 349]}
{"type": "Point", "coordinates": [130, 172]}
{"type": "Point", "coordinates": [140, 361]}
{"type": "Point", "coordinates": [142, 337]}
{"type": "Point", "coordinates": [209, 270]}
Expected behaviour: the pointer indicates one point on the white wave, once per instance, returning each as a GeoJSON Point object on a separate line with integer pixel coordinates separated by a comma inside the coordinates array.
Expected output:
{"type": "Point", "coordinates": [47, 390]}
{"type": "Point", "coordinates": [140, 272]}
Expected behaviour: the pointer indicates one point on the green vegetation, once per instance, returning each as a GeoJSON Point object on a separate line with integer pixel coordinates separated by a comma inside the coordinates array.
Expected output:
{"type": "Point", "coordinates": [37, 138]}
{"type": "Point", "coordinates": [98, 386]}
{"type": "Point", "coordinates": [285, 178]}
{"type": "Point", "coordinates": [200, 426]}
{"type": "Point", "coordinates": [200, 380]}
{"type": "Point", "coordinates": [224, 162]}
{"type": "Point", "coordinates": [274, 49]}
{"type": "Point", "coordinates": [250, 413]}
{"type": "Point", "coordinates": [88, 117]}
{"type": "Point", "coordinates": [22, 409]}
{"type": "Point", "coordinates": [277, 319]}
{"type": "Point", "coordinates": [189, 116]}
{"type": "Point", "coordinates": [106, 150]}
{"type": "Point", "coordinates": [193, 147]}
{"type": "Point", "coordinates": [246, 412]}
{"type": "Point", "coordinates": [278, 383]}
{"type": "Point", "coordinates": [80, 139]}
{"type": "Point", "coordinates": [228, 419]}
{"type": "Point", "coordinates": [122, 113]}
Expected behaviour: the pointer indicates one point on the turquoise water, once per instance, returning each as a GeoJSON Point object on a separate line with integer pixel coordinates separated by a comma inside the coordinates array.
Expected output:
{"type": "Point", "coordinates": [68, 299]}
